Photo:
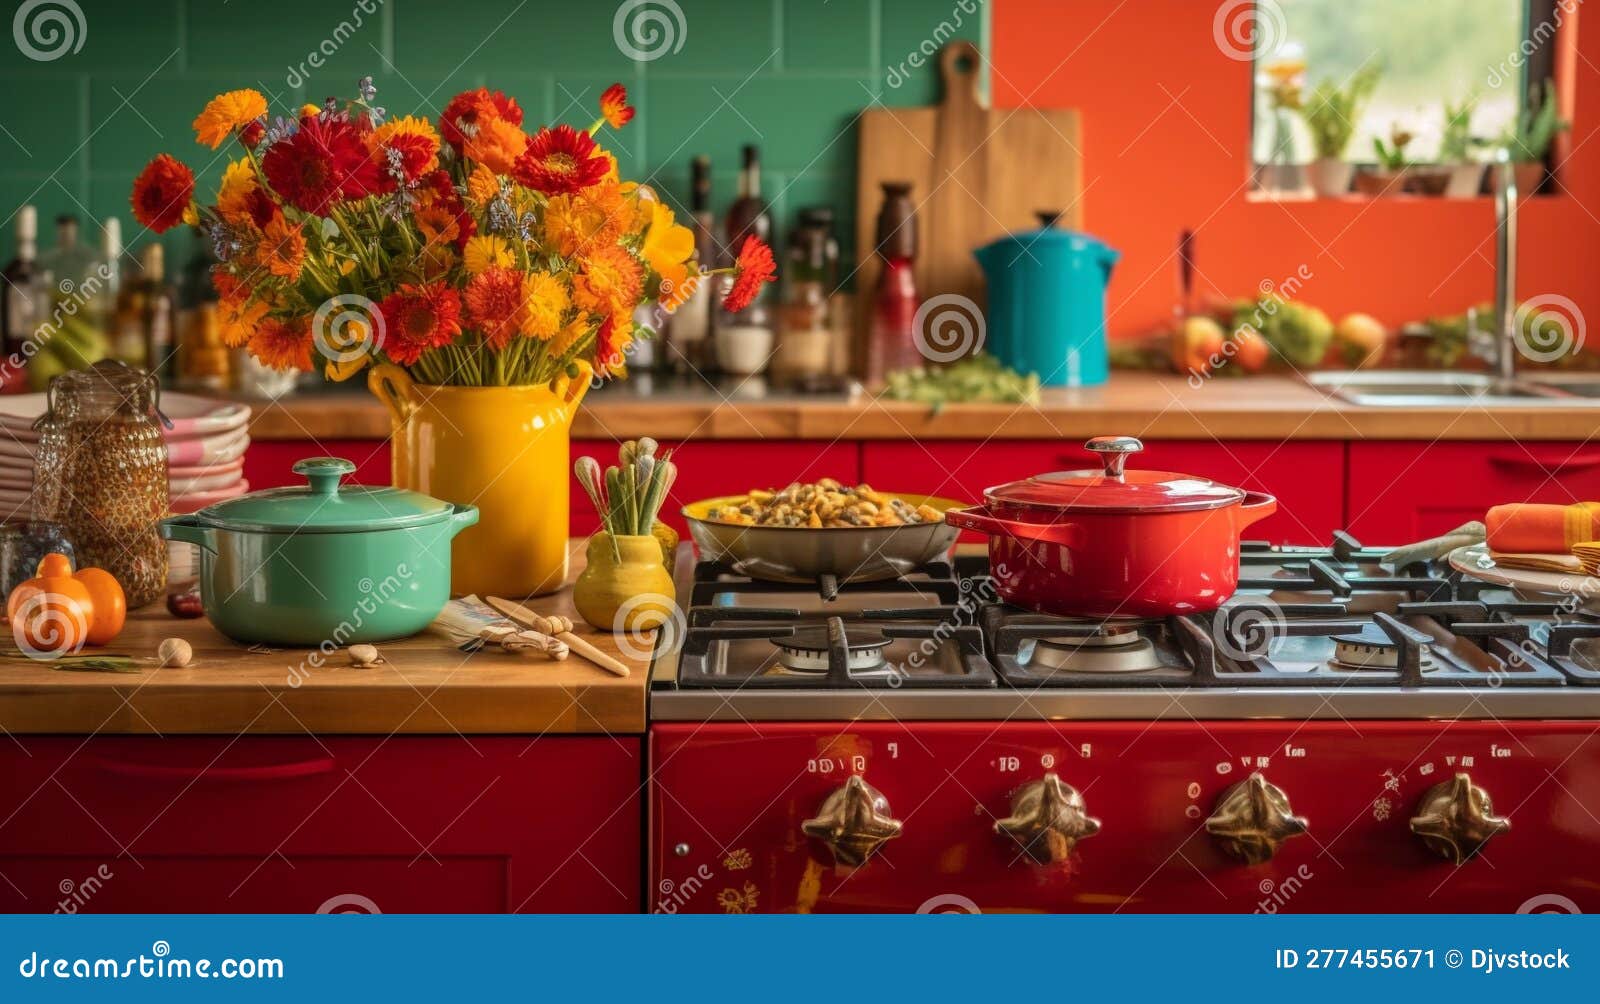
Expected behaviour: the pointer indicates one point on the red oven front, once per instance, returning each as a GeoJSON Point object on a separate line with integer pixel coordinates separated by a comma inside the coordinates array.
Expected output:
{"type": "Point", "coordinates": [728, 803]}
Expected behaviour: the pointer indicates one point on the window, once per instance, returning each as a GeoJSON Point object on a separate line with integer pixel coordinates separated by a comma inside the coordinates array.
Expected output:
{"type": "Point", "coordinates": [1429, 56]}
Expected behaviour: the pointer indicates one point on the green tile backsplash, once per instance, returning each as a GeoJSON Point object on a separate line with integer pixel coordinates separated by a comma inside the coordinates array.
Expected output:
{"type": "Point", "coordinates": [707, 76]}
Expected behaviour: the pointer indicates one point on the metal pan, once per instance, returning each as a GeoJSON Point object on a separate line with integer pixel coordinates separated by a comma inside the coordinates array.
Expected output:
{"type": "Point", "coordinates": [808, 554]}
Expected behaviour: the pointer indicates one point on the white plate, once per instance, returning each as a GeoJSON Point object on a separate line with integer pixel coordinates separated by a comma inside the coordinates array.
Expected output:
{"type": "Point", "coordinates": [191, 416]}
{"type": "Point", "coordinates": [1474, 560]}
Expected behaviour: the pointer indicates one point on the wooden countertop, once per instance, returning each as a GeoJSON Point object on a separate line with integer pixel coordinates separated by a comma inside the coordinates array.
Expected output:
{"type": "Point", "coordinates": [424, 686]}
{"type": "Point", "coordinates": [1154, 406]}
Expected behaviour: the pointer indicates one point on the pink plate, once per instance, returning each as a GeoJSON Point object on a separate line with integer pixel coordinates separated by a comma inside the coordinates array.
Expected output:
{"type": "Point", "coordinates": [209, 451]}
{"type": "Point", "coordinates": [191, 416]}
{"type": "Point", "coordinates": [185, 504]}
{"type": "Point", "coordinates": [174, 472]}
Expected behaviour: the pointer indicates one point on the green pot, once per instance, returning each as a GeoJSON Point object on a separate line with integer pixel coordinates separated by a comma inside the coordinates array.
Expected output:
{"type": "Point", "coordinates": [323, 565]}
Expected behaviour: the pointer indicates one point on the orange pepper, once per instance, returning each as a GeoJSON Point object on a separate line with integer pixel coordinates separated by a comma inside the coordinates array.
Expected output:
{"type": "Point", "coordinates": [109, 604]}
{"type": "Point", "coordinates": [50, 615]}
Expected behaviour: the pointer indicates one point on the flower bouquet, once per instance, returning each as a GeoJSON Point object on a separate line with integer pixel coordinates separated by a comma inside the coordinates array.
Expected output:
{"type": "Point", "coordinates": [470, 254]}
{"type": "Point", "coordinates": [499, 268]}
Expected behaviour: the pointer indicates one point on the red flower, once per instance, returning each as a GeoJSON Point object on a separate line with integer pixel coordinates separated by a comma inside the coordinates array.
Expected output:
{"type": "Point", "coordinates": [608, 355]}
{"type": "Point", "coordinates": [462, 115]}
{"type": "Point", "coordinates": [560, 161]}
{"type": "Point", "coordinates": [161, 193]}
{"type": "Point", "coordinates": [614, 106]}
{"type": "Point", "coordinates": [494, 300]}
{"type": "Point", "coordinates": [438, 190]}
{"type": "Point", "coordinates": [419, 318]}
{"type": "Point", "coordinates": [324, 162]}
{"type": "Point", "coordinates": [251, 135]}
{"type": "Point", "coordinates": [754, 267]}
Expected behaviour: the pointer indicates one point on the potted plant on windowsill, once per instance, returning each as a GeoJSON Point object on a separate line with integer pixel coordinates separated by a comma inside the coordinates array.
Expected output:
{"type": "Point", "coordinates": [1389, 176]}
{"type": "Point", "coordinates": [1529, 137]}
{"type": "Point", "coordinates": [1457, 150]}
{"type": "Point", "coordinates": [1331, 113]}
{"type": "Point", "coordinates": [1283, 79]}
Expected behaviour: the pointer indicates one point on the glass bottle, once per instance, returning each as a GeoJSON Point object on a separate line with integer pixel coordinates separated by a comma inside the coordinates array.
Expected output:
{"type": "Point", "coordinates": [744, 340]}
{"type": "Point", "coordinates": [805, 323]}
{"type": "Point", "coordinates": [21, 308]}
{"type": "Point", "coordinates": [891, 343]}
{"type": "Point", "coordinates": [100, 436]}
{"type": "Point", "coordinates": [689, 338]}
{"type": "Point", "coordinates": [160, 313]}
{"type": "Point", "coordinates": [78, 281]}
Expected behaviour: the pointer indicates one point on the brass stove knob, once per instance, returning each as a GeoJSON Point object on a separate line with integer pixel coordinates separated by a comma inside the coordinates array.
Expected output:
{"type": "Point", "coordinates": [854, 822]}
{"type": "Point", "coordinates": [1456, 818]}
{"type": "Point", "coordinates": [1252, 819]}
{"type": "Point", "coordinates": [1047, 819]}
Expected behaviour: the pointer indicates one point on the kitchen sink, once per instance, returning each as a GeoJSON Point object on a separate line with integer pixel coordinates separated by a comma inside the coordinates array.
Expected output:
{"type": "Point", "coordinates": [1426, 388]}
{"type": "Point", "coordinates": [1577, 384]}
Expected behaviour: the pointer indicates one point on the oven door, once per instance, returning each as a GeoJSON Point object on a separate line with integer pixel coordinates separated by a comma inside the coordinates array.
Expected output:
{"type": "Point", "coordinates": [1183, 825]}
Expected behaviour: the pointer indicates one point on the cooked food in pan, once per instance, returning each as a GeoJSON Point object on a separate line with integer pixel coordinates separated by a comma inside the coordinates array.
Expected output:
{"type": "Point", "coordinates": [827, 503]}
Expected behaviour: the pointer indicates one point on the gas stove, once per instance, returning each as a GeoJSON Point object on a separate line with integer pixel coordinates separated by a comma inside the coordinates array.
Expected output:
{"type": "Point", "coordinates": [1336, 727]}
{"type": "Point", "coordinates": [1314, 632]}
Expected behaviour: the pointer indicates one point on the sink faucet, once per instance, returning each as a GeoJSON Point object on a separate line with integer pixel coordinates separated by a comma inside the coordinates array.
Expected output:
{"type": "Point", "coordinates": [1504, 355]}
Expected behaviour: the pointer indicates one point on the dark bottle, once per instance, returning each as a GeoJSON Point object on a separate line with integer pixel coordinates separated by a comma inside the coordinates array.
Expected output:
{"type": "Point", "coordinates": [160, 313]}
{"type": "Point", "coordinates": [20, 303]}
{"type": "Point", "coordinates": [689, 337]}
{"type": "Point", "coordinates": [892, 342]}
{"type": "Point", "coordinates": [748, 216]}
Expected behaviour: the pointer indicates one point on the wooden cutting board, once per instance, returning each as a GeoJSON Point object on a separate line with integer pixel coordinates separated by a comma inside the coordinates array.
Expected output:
{"type": "Point", "coordinates": [976, 173]}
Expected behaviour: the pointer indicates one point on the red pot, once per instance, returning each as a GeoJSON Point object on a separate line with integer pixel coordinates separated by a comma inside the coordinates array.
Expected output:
{"type": "Point", "coordinates": [1115, 543]}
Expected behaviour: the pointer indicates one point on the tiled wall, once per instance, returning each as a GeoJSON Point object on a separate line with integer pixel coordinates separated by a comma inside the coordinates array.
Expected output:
{"type": "Point", "coordinates": [787, 74]}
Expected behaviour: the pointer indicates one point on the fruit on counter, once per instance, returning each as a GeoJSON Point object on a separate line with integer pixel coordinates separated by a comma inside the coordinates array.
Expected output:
{"type": "Point", "coordinates": [1249, 350]}
{"type": "Point", "coordinates": [186, 605]}
{"type": "Point", "coordinates": [50, 614]}
{"type": "Point", "coordinates": [1196, 345]}
{"type": "Point", "coordinates": [174, 653]}
{"type": "Point", "coordinates": [1298, 333]}
{"type": "Point", "coordinates": [976, 379]}
{"type": "Point", "coordinates": [108, 602]}
{"type": "Point", "coordinates": [75, 344]}
{"type": "Point", "coordinates": [1360, 340]}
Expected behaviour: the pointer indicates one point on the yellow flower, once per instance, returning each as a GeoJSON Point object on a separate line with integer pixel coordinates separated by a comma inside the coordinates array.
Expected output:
{"type": "Point", "coordinates": [238, 182]}
{"type": "Point", "coordinates": [568, 336]}
{"type": "Point", "coordinates": [482, 185]}
{"type": "Point", "coordinates": [484, 252]}
{"type": "Point", "coordinates": [191, 215]}
{"type": "Point", "coordinates": [310, 111]}
{"type": "Point", "coordinates": [226, 114]}
{"type": "Point", "coordinates": [544, 300]}
{"type": "Point", "coordinates": [667, 245]}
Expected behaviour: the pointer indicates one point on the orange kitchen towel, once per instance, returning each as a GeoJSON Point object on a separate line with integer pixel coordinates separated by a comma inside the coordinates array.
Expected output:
{"type": "Point", "coordinates": [1542, 529]}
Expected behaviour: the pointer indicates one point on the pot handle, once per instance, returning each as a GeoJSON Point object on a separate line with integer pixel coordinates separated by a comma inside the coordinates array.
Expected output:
{"type": "Point", "coordinates": [188, 530]}
{"type": "Point", "coordinates": [980, 519]}
{"type": "Point", "coordinates": [394, 387]}
{"type": "Point", "coordinates": [1255, 507]}
{"type": "Point", "coordinates": [464, 516]}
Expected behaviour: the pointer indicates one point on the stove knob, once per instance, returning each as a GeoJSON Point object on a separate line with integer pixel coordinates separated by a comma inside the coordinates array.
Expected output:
{"type": "Point", "coordinates": [1047, 819]}
{"type": "Point", "coordinates": [1456, 818]}
{"type": "Point", "coordinates": [854, 822]}
{"type": "Point", "coordinates": [1252, 819]}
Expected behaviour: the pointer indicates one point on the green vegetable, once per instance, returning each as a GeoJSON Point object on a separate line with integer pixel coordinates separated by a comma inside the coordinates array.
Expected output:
{"type": "Point", "coordinates": [977, 378]}
{"type": "Point", "coordinates": [1297, 332]}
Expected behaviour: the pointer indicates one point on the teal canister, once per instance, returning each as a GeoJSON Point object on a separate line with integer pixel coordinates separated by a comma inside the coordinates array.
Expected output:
{"type": "Point", "coordinates": [1047, 303]}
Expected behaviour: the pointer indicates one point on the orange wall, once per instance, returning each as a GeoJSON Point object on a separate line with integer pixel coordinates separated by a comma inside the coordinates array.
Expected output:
{"type": "Point", "coordinates": [1166, 129]}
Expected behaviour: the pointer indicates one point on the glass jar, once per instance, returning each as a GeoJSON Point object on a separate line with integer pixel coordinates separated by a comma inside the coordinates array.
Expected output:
{"type": "Point", "coordinates": [101, 472]}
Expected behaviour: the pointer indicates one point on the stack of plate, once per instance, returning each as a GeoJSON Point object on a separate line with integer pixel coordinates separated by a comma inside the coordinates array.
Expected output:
{"type": "Point", "coordinates": [205, 450]}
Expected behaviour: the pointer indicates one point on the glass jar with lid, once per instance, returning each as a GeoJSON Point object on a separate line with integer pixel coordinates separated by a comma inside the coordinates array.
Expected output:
{"type": "Point", "coordinates": [101, 472]}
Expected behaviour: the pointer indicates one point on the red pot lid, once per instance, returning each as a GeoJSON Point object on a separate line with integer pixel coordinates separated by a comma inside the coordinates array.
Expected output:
{"type": "Point", "coordinates": [1113, 489]}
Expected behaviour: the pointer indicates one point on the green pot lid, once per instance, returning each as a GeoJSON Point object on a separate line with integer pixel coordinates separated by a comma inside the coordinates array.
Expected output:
{"type": "Point", "coordinates": [322, 505]}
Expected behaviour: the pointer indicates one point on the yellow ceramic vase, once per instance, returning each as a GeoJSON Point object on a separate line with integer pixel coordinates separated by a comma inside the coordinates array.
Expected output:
{"type": "Point", "coordinates": [505, 450]}
{"type": "Point", "coordinates": [624, 587]}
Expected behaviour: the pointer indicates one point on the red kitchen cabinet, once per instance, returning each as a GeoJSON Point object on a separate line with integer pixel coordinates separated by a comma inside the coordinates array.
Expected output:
{"type": "Point", "coordinates": [724, 467]}
{"type": "Point", "coordinates": [267, 463]}
{"type": "Point", "coordinates": [1404, 491]}
{"type": "Point", "coordinates": [1307, 477]}
{"type": "Point", "coordinates": [266, 824]}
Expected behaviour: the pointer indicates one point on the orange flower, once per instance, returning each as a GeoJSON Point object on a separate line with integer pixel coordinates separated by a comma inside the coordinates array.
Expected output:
{"type": "Point", "coordinates": [595, 216]}
{"type": "Point", "coordinates": [494, 301]}
{"type": "Point", "coordinates": [415, 143]}
{"type": "Point", "coordinates": [468, 110]}
{"type": "Point", "coordinates": [496, 145]}
{"type": "Point", "coordinates": [544, 300]}
{"type": "Point", "coordinates": [233, 196]}
{"type": "Point", "coordinates": [438, 224]}
{"type": "Point", "coordinates": [610, 281]}
{"type": "Point", "coordinates": [283, 345]}
{"type": "Point", "coordinates": [283, 248]}
{"type": "Point", "coordinates": [419, 318]}
{"type": "Point", "coordinates": [614, 106]}
{"type": "Point", "coordinates": [226, 114]}
{"type": "Point", "coordinates": [754, 268]}
{"type": "Point", "coordinates": [611, 346]}
{"type": "Point", "coordinates": [676, 295]}
{"type": "Point", "coordinates": [667, 246]}
{"type": "Point", "coordinates": [162, 193]}
{"type": "Point", "coordinates": [482, 185]}
{"type": "Point", "coordinates": [238, 313]}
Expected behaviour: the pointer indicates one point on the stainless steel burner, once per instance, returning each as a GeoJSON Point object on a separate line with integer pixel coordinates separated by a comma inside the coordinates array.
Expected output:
{"type": "Point", "coordinates": [1113, 650]}
{"type": "Point", "coordinates": [1372, 649]}
{"type": "Point", "coordinates": [806, 651]}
